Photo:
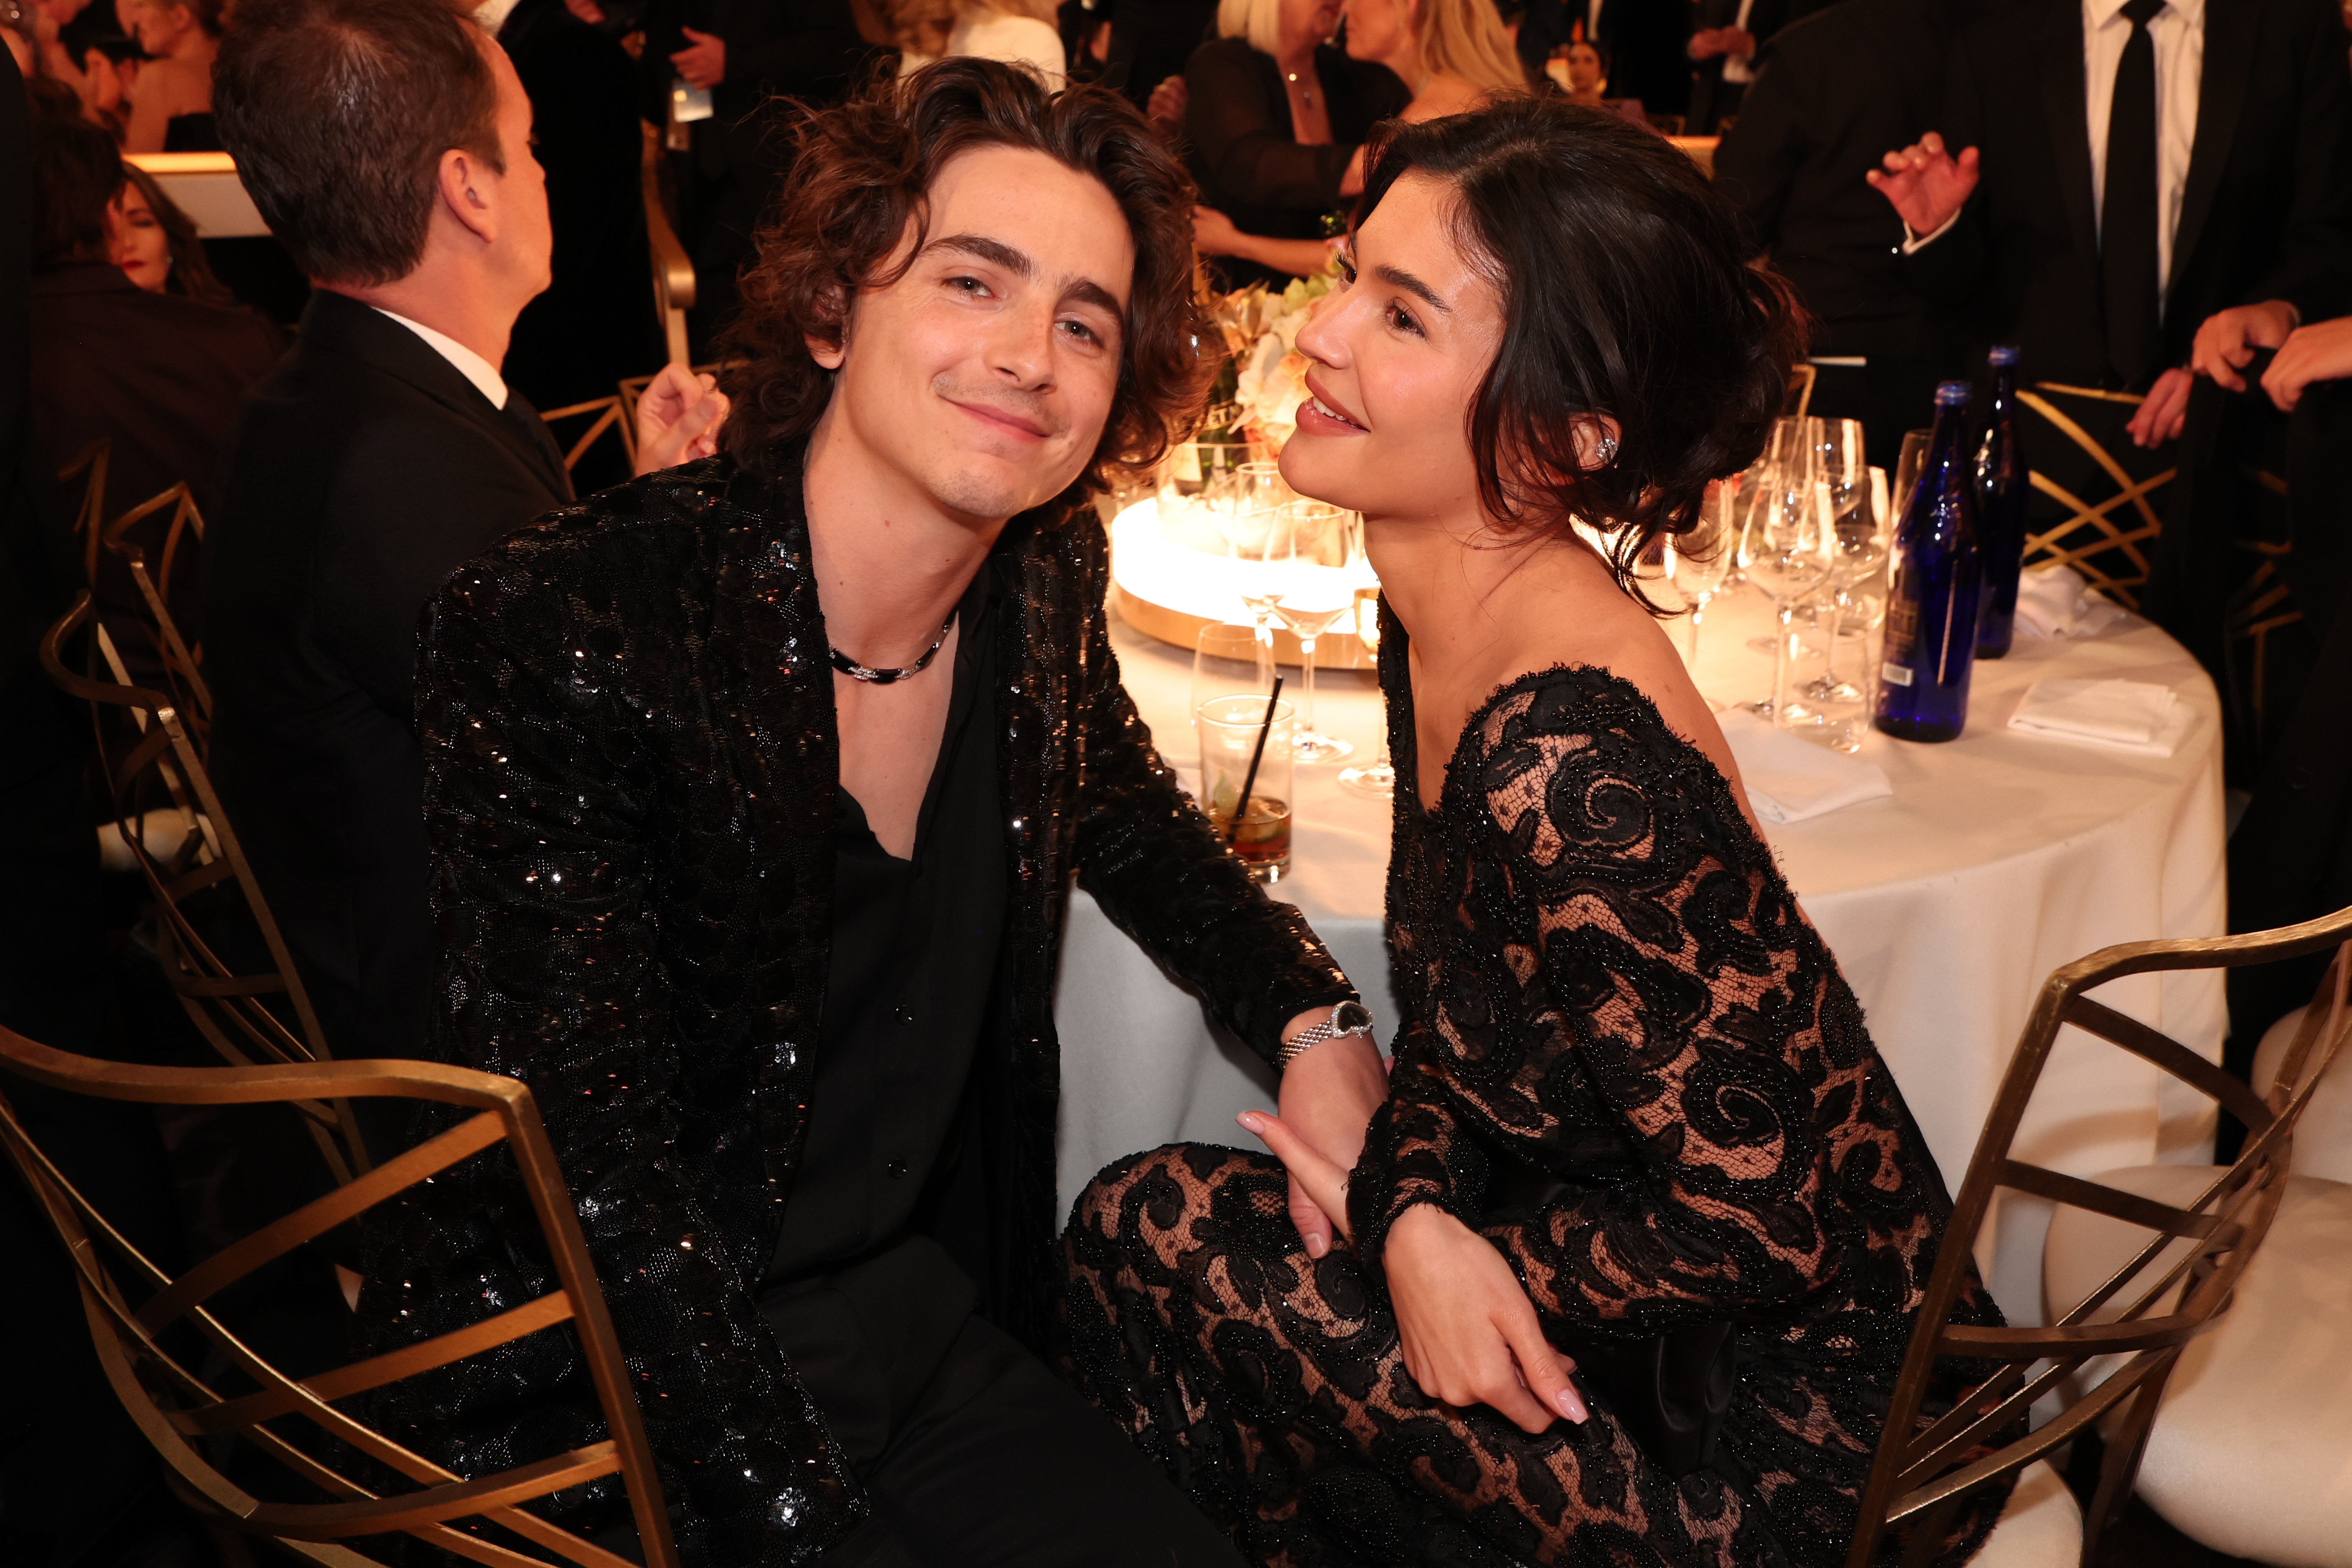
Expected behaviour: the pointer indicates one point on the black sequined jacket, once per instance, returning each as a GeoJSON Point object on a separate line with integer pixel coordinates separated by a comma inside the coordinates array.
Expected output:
{"type": "Point", "coordinates": [628, 720]}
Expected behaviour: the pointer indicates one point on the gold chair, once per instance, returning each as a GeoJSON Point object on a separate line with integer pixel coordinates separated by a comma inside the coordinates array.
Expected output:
{"type": "Point", "coordinates": [674, 286]}
{"type": "Point", "coordinates": [180, 661]}
{"type": "Point", "coordinates": [2104, 538]}
{"type": "Point", "coordinates": [2128, 1332]}
{"type": "Point", "coordinates": [592, 420]}
{"type": "Point", "coordinates": [182, 849]}
{"type": "Point", "coordinates": [88, 466]}
{"type": "Point", "coordinates": [134, 1308]}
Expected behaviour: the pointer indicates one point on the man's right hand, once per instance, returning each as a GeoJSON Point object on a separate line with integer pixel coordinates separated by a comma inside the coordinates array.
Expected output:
{"type": "Point", "coordinates": [1926, 184]}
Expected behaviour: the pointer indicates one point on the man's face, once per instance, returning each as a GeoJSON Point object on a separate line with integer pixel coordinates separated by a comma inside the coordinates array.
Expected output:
{"type": "Point", "coordinates": [983, 377]}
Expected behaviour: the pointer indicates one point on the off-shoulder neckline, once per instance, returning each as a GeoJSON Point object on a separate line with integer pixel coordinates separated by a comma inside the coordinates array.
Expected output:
{"type": "Point", "coordinates": [1476, 724]}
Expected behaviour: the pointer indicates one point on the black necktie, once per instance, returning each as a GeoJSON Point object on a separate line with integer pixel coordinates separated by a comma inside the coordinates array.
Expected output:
{"type": "Point", "coordinates": [2128, 216]}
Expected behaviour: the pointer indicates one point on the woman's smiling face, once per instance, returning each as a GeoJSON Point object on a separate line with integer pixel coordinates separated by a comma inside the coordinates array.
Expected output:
{"type": "Point", "coordinates": [1397, 354]}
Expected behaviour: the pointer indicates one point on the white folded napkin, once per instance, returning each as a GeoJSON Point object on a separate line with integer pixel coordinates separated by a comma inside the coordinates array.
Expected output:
{"type": "Point", "coordinates": [2128, 715]}
{"type": "Point", "coordinates": [2052, 601]}
{"type": "Point", "coordinates": [1789, 779]}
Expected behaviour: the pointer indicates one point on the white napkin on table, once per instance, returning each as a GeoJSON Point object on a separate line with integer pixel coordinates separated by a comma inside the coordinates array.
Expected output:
{"type": "Point", "coordinates": [1789, 779]}
{"type": "Point", "coordinates": [2128, 715]}
{"type": "Point", "coordinates": [2052, 601]}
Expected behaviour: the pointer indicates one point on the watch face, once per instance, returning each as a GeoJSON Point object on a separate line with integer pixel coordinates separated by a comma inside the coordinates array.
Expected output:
{"type": "Point", "coordinates": [1349, 1016]}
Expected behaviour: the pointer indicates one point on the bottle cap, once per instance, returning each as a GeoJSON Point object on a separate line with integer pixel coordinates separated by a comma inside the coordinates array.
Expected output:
{"type": "Point", "coordinates": [2006, 353]}
{"type": "Point", "coordinates": [1952, 395]}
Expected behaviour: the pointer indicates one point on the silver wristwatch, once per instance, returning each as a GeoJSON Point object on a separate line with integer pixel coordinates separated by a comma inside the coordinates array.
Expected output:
{"type": "Point", "coordinates": [1347, 1019]}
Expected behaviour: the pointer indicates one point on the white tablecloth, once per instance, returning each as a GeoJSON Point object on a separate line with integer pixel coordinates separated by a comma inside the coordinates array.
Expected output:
{"type": "Point", "coordinates": [2000, 856]}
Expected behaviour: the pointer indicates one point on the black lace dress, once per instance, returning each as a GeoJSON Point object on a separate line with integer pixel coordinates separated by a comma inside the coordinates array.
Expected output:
{"type": "Point", "coordinates": [1604, 977]}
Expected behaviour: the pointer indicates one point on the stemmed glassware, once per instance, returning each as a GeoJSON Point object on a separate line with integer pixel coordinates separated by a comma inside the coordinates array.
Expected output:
{"type": "Point", "coordinates": [1253, 535]}
{"type": "Point", "coordinates": [1784, 549]}
{"type": "Point", "coordinates": [1378, 777]}
{"type": "Point", "coordinates": [1854, 538]}
{"type": "Point", "coordinates": [1698, 560]}
{"type": "Point", "coordinates": [1312, 595]}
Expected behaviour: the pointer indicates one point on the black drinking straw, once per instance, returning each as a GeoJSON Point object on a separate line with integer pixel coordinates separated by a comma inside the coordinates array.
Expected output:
{"type": "Point", "coordinates": [1249, 779]}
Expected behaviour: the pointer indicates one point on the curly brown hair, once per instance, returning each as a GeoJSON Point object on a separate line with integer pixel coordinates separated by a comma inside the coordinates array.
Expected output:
{"type": "Point", "coordinates": [863, 173]}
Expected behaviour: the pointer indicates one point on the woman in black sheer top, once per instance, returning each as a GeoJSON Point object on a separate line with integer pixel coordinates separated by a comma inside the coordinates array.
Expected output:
{"type": "Point", "coordinates": [1634, 1110]}
{"type": "Point", "coordinates": [1275, 116]}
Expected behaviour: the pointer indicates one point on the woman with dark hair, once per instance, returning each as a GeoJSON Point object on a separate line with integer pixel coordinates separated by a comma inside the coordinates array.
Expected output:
{"type": "Point", "coordinates": [156, 243]}
{"type": "Point", "coordinates": [1635, 1118]}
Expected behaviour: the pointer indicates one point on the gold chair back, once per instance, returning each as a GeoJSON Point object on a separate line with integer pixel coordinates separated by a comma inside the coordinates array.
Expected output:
{"type": "Point", "coordinates": [578, 426]}
{"type": "Point", "coordinates": [134, 1310]}
{"type": "Point", "coordinates": [88, 466]}
{"type": "Point", "coordinates": [2106, 539]}
{"type": "Point", "coordinates": [180, 660]}
{"type": "Point", "coordinates": [183, 849]}
{"type": "Point", "coordinates": [2135, 1324]}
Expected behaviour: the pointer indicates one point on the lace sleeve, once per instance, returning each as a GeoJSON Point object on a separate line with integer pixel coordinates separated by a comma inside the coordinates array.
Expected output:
{"type": "Point", "coordinates": [1414, 1152]}
{"type": "Point", "coordinates": [1706, 1013]}
{"type": "Point", "coordinates": [1628, 993]}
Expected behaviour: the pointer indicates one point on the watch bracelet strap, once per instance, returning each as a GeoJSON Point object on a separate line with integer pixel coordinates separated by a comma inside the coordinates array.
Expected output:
{"type": "Point", "coordinates": [1307, 1038]}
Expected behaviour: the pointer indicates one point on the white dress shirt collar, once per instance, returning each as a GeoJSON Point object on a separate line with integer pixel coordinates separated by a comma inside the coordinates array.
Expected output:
{"type": "Point", "coordinates": [471, 365]}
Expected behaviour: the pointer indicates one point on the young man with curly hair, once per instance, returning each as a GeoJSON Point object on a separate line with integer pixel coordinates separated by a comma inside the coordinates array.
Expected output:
{"type": "Point", "coordinates": [756, 788]}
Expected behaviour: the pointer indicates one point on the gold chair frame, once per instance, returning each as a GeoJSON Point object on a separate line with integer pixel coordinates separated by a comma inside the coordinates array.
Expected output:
{"type": "Point", "coordinates": [182, 661]}
{"type": "Point", "coordinates": [90, 466]}
{"type": "Point", "coordinates": [225, 1007]}
{"type": "Point", "coordinates": [1921, 1477]}
{"type": "Point", "coordinates": [2047, 547]}
{"type": "Point", "coordinates": [176, 1409]}
{"type": "Point", "coordinates": [609, 415]}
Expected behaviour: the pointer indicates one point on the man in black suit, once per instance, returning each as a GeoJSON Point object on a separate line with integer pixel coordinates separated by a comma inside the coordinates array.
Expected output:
{"type": "Point", "coordinates": [1832, 92]}
{"type": "Point", "coordinates": [1723, 49]}
{"type": "Point", "coordinates": [387, 143]}
{"type": "Point", "coordinates": [2160, 192]}
{"type": "Point", "coordinates": [744, 53]}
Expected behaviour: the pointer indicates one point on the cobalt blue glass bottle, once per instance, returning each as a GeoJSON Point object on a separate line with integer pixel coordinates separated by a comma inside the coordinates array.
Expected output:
{"type": "Point", "coordinates": [2003, 489]}
{"type": "Point", "coordinates": [1931, 604]}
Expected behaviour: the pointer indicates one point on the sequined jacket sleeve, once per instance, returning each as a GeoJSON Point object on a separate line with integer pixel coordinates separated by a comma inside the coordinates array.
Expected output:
{"type": "Point", "coordinates": [1161, 874]}
{"type": "Point", "coordinates": [569, 927]}
{"type": "Point", "coordinates": [1627, 996]}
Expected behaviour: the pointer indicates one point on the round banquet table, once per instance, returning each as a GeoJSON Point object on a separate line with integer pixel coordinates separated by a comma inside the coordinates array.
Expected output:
{"type": "Point", "coordinates": [1999, 856]}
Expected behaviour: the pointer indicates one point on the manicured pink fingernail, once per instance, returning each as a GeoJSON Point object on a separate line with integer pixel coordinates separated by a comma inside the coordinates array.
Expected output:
{"type": "Point", "coordinates": [1572, 1407]}
{"type": "Point", "coordinates": [1249, 1120]}
{"type": "Point", "coordinates": [1316, 1245]}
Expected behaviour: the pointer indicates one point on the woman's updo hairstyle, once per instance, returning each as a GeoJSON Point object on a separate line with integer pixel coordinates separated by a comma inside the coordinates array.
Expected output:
{"type": "Point", "coordinates": [1625, 293]}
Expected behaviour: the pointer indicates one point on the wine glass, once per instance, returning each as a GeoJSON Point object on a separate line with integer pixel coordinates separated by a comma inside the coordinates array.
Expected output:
{"type": "Point", "coordinates": [1312, 594]}
{"type": "Point", "coordinates": [1854, 540]}
{"type": "Point", "coordinates": [1698, 558]}
{"type": "Point", "coordinates": [1378, 777]}
{"type": "Point", "coordinates": [1787, 558]}
{"type": "Point", "coordinates": [1783, 504]}
{"type": "Point", "coordinates": [1254, 542]}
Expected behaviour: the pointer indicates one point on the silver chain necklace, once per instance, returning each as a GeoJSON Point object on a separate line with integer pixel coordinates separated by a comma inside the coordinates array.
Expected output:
{"type": "Point", "coordinates": [856, 671]}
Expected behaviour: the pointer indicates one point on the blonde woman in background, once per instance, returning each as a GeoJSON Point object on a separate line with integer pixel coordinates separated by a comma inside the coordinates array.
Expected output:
{"type": "Point", "coordinates": [1022, 32]}
{"type": "Point", "coordinates": [1274, 113]}
{"type": "Point", "coordinates": [1451, 54]}
{"type": "Point", "coordinates": [176, 81]}
{"type": "Point", "coordinates": [1454, 54]}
